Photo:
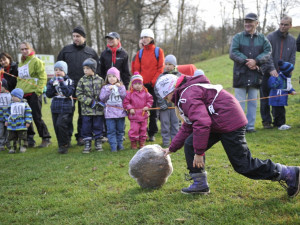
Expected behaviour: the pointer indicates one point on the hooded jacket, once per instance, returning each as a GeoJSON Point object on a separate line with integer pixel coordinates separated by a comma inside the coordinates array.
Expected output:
{"type": "Point", "coordinates": [137, 100]}
{"type": "Point", "coordinates": [194, 102]}
{"type": "Point", "coordinates": [148, 66]}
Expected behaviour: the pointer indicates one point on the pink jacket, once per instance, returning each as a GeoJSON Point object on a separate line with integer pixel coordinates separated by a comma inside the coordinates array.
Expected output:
{"type": "Point", "coordinates": [194, 102]}
{"type": "Point", "coordinates": [137, 100]}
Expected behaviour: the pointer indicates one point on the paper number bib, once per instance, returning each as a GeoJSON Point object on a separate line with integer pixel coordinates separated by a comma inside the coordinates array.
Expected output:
{"type": "Point", "coordinates": [17, 109]}
{"type": "Point", "coordinates": [24, 72]}
{"type": "Point", "coordinates": [5, 99]}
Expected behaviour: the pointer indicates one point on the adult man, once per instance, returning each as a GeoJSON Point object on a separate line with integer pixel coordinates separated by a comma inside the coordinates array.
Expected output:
{"type": "Point", "coordinates": [283, 48]}
{"type": "Point", "coordinates": [115, 56]}
{"type": "Point", "coordinates": [249, 50]}
{"type": "Point", "coordinates": [74, 55]}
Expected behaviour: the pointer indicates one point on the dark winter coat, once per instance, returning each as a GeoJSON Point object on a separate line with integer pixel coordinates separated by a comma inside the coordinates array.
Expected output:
{"type": "Point", "coordinates": [61, 95]}
{"type": "Point", "coordinates": [283, 48]}
{"type": "Point", "coordinates": [11, 81]}
{"type": "Point", "coordinates": [74, 56]}
{"type": "Point", "coordinates": [246, 46]}
{"type": "Point", "coordinates": [228, 116]}
{"type": "Point", "coordinates": [121, 64]}
{"type": "Point", "coordinates": [298, 43]}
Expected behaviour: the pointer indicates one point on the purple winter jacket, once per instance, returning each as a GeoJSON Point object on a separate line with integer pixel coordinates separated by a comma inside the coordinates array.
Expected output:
{"type": "Point", "coordinates": [114, 101]}
{"type": "Point", "coordinates": [137, 100]}
{"type": "Point", "coordinates": [195, 100]}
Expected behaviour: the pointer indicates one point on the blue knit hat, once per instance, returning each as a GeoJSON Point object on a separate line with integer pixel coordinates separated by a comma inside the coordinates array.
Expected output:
{"type": "Point", "coordinates": [285, 67]}
{"type": "Point", "coordinates": [62, 66]}
{"type": "Point", "coordinates": [18, 92]}
{"type": "Point", "coordinates": [198, 72]}
{"type": "Point", "coordinates": [90, 62]}
{"type": "Point", "coordinates": [171, 59]}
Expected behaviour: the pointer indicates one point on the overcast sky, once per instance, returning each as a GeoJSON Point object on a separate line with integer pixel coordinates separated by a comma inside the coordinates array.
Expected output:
{"type": "Point", "coordinates": [210, 11]}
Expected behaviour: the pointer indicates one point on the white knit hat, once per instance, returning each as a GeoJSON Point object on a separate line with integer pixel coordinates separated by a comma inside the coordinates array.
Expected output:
{"type": "Point", "coordinates": [147, 33]}
{"type": "Point", "coordinates": [166, 84]}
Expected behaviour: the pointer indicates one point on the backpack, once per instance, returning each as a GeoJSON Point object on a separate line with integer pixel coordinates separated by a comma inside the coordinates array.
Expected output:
{"type": "Point", "coordinates": [156, 51]}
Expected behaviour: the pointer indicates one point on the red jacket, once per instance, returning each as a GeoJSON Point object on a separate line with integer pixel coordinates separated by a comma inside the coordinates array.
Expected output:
{"type": "Point", "coordinates": [149, 67]}
{"type": "Point", "coordinates": [228, 116]}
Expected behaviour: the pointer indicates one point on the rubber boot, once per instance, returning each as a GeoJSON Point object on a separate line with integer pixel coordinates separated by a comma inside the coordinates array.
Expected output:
{"type": "Point", "coordinates": [199, 186]}
{"type": "Point", "coordinates": [23, 146]}
{"type": "Point", "coordinates": [87, 146]}
{"type": "Point", "coordinates": [134, 145]}
{"type": "Point", "coordinates": [289, 177]}
{"type": "Point", "coordinates": [98, 145]}
{"type": "Point", "coordinates": [142, 143]}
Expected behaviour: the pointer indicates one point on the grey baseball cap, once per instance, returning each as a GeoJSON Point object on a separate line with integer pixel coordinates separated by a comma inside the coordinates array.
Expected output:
{"type": "Point", "coordinates": [113, 35]}
{"type": "Point", "coordinates": [251, 16]}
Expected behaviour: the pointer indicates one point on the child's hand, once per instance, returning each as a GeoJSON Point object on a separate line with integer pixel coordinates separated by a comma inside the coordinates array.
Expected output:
{"type": "Point", "coordinates": [293, 93]}
{"type": "Point", "coordinates": [131, 111]}
{"type": "Point", "coordinates": [146, 108]}
{"type": "Point", "coordinates": [111, 87]}
{"type": "Point", "coordinates": [118, 84]}
{"type": "Point", "coordinates": [6, 124]}
{"type": "Point", "coordinates": [27, 125]}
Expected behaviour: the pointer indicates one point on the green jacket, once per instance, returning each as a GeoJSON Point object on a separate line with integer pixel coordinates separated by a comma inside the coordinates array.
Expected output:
{"type": "Point", "coordinates": [88, 89]}
{"type": "Point", "coordinates": [37, 73]}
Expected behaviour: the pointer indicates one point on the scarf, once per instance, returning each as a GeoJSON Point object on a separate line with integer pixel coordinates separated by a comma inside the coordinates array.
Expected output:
{"type": "Point", "coordinates": [114, 52]}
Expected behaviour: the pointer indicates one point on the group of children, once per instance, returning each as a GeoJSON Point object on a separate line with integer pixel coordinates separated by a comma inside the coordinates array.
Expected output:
{"type": "Point", "coordinates": [103, 101]}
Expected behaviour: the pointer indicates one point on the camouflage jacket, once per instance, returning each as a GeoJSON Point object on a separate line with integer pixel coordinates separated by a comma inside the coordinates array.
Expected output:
{"type": "Point", "coordinates": [88, 89]}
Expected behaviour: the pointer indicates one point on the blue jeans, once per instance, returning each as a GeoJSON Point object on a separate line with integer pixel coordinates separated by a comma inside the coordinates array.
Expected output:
{"type": "Point", "coordinates": [115, 132]}
{"type": "Point", "coordinates": [92, 127]}
{"type": "Point", "coordinates": [241, 96]}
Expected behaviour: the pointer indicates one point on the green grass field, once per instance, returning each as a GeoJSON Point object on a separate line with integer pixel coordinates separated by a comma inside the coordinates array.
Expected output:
{"type": "Point", "coordinates": [43, 187]}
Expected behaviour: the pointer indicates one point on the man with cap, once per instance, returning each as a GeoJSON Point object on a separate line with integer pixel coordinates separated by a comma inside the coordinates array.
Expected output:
{"type": "Point", "coordinates": [250, 52]}
{"type": "Point", "coordinates": [115, 56]}
{"type": "Point", "coordinates": [74, 55]}
{"type": "Point", "coordinates": [283, 48]}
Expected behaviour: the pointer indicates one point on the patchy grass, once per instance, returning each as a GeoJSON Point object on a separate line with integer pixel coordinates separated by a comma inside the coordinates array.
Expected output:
{"type": "Point", "coordinates": [43, 187]}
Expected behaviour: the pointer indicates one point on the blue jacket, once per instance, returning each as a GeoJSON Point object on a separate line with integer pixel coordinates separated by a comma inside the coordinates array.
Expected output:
{"type": "Point", "coordinates": [61, 94]}
{"type": "Point", "coordinates": [277, 85]}
{"type": "Point", "coordinates": [17, 117]}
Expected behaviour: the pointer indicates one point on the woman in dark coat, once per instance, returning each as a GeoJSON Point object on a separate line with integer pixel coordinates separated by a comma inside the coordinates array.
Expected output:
{"type": "Point", "coordinates": [9, 67]}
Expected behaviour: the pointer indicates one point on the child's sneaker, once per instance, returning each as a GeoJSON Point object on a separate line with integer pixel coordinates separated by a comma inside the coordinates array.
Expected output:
{"type": "Point", "coordinates": [142, 144]}
{"type": "Point", "coordinates": [23, 149]}
{"type": "Point", "coordinates": [87, 146]}
{"type": "Point", "coordinates": [284, 127]}
{"type": "Point", "coordinates": [98, 145]}
{"type": "Point", "coordinates": [12, 151]}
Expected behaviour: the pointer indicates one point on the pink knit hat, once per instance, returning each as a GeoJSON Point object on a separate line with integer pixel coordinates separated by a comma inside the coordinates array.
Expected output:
{"type": "Point", "coordinates": [114, 71]}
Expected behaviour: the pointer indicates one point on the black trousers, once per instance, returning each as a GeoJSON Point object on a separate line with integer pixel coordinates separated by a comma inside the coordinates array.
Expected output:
{"type": "Point", "coordinates": [264, 103]}
{"type": "Point", "coordinates": [238, 154]}
{"type": "Point", "coordinates": [152, 127]}
{"type": "Point", "coordinates": [61, 123]}
{"type": "Point", "coordinates": [278, 113]}
{"type": "Point", "coordinates": [79, 122]}
{"type": "Point", "coordinates": [35, 103]}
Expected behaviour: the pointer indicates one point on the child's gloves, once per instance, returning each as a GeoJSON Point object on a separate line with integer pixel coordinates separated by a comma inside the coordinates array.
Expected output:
{"type": "Point", "coordinates": [55, 82]}
{"type": "Point", "coordinates": [93, 104]}
{"type": "Point", "coordinates": [101, 104]}
{"type": "Point", "coordinates": [60, 79]}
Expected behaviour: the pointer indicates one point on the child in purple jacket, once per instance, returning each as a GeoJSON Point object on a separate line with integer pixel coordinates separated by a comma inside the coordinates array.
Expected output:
{"type": "Point", "coordinates": [137, 102]}
{"type": "Point", "coordinates": [113, 94]}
